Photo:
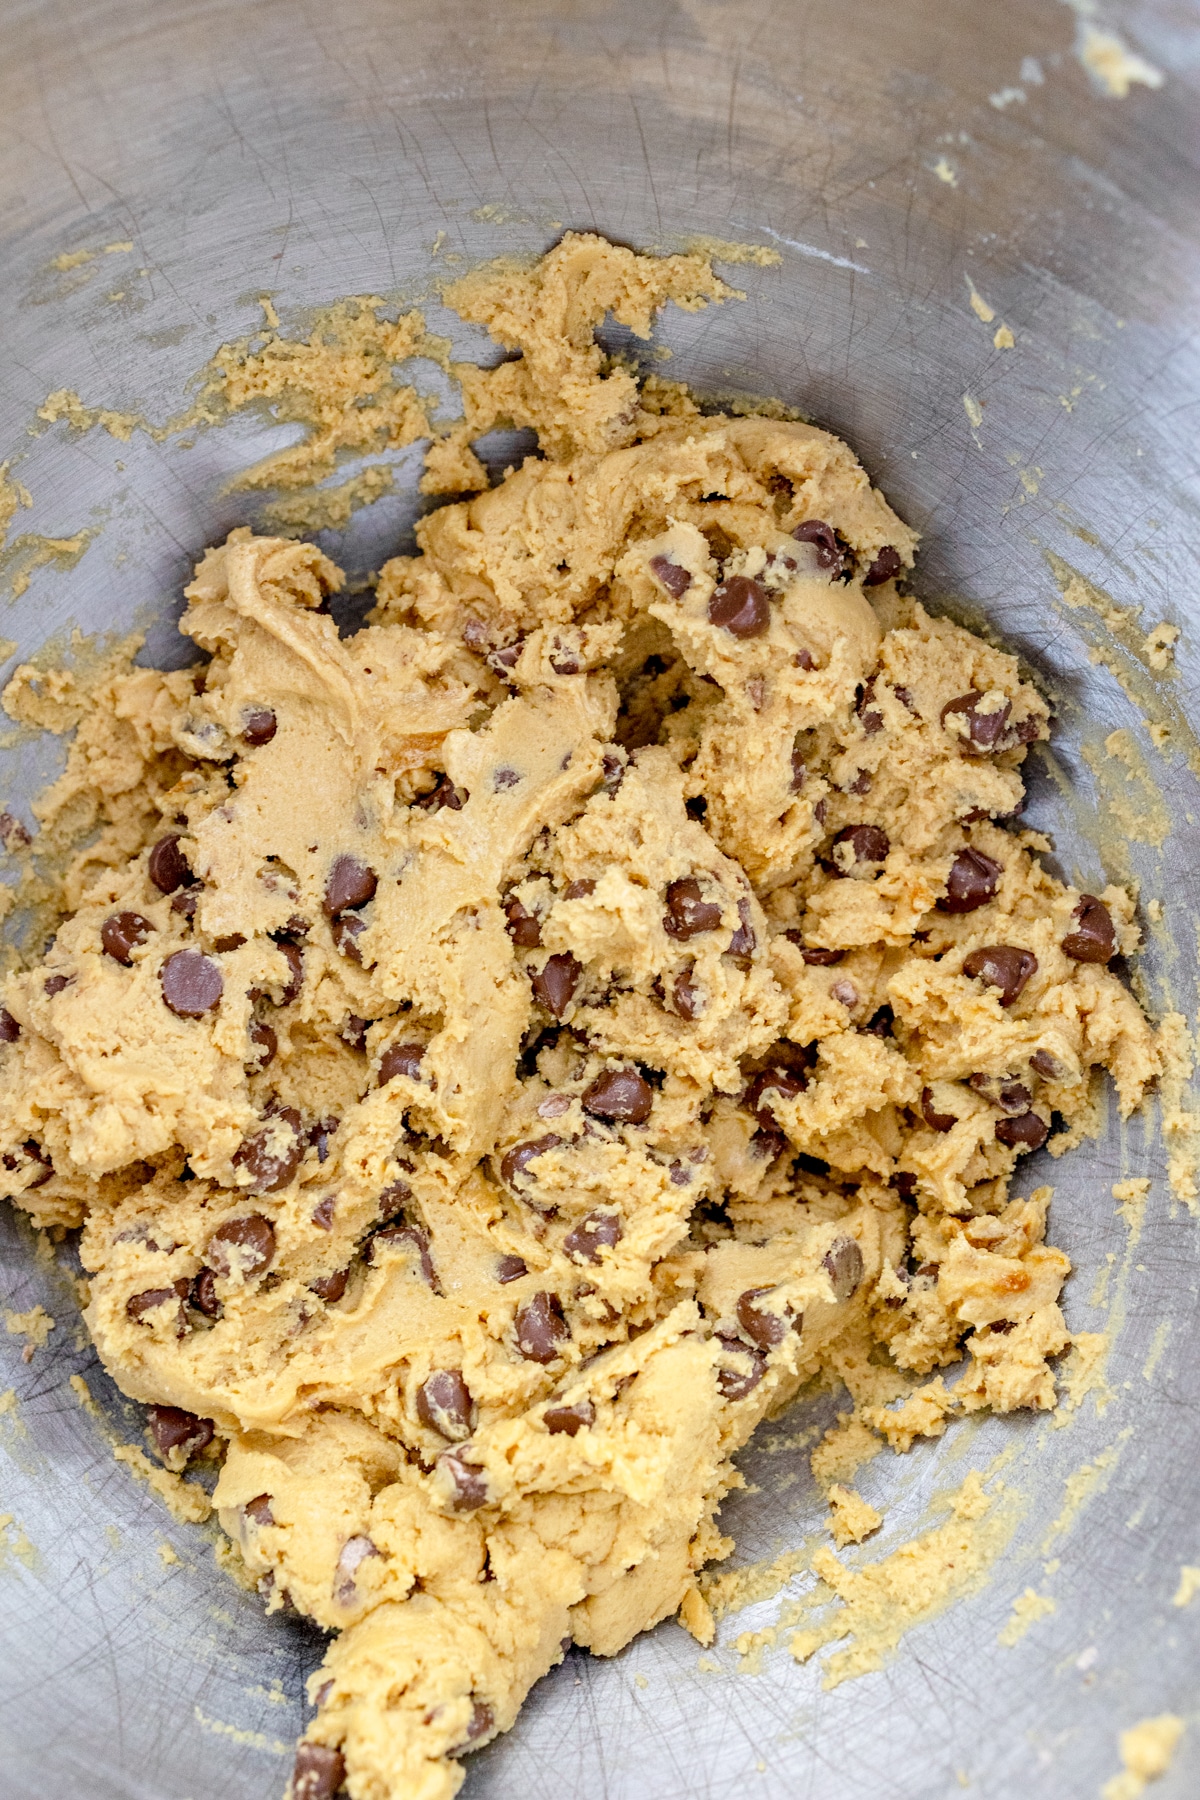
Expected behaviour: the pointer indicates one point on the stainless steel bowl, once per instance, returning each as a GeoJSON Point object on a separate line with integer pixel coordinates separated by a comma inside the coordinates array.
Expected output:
{"type": "Point", "coordinates": [311, 152]}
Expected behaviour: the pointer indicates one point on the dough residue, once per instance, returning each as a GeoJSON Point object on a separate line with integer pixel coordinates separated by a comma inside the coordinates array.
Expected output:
{"type": "Point", "coordinates": [1147, 1750]}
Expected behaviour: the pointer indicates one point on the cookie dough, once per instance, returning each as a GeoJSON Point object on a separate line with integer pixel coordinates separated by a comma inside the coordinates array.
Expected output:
{"type": "Point", "coordinates": [499, 1056]}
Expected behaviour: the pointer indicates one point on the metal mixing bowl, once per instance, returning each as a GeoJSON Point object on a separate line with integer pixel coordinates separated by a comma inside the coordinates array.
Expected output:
{"type": "Point", "coordinates": [310, 152]}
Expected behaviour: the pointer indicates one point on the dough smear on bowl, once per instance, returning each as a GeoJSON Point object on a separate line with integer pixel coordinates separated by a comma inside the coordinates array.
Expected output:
{"type": "Point", "coordinates": [499, 1056]}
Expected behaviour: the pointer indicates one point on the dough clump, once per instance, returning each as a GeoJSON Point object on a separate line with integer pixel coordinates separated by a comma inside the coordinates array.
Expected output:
{"type": "Point", "coordinates": [497, 1057]}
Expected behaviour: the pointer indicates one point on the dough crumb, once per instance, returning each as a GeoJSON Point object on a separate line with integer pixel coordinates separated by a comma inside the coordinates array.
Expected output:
{"type": "Point", "coordinates": [183, 1499]}
{"type": "Point", "coordinates": [1147, 1750]}
{"type": "Point", "coordinates": [979, 305]}
{"type": "Point", "coordinates": [851, 1517]}
{"type": "Point", "coordinates": [1113, 66]}
{"type": "Point", "coordinates": [1189, 1585]}
{"type": "Point", "coordinates": [1158, 647]}
{"type": "Point", "coordinates": [1003, 338]}
{"type": "Point", "coordinates": [34, 1326]}
{"type": "Point", "coordinates": [168, 1554]}
{"type": "Point", "coordinates": [1028, 1608]}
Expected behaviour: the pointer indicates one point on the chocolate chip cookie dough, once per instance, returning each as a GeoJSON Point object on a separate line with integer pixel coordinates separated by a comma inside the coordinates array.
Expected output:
{"type": "Point", "coordinates": [497, 1057]}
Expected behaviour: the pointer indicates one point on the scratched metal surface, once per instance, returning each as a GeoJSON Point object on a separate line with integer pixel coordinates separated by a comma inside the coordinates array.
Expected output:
{"type": "Point", "coordinates": [313, 151]}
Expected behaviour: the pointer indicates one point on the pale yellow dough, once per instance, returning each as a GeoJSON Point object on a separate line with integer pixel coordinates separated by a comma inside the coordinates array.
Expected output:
{"type": "Point", "coordinates": [620, 742]}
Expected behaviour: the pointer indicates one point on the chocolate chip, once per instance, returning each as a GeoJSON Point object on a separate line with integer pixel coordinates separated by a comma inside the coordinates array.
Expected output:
{"type": "Point", "coordinates": [619, 1094]}
{"type": "Point", "coordinates": [56, 983]}
{"type": "Point", "coordinates": [555, 983]}
{"type": "Point", "coordinates": [511, 1268]}
{"type": "Point", "coordinates": [822, 959]}
{"type": "Point", "coordinates": [569, 1420]}
{"type": "Point", "coordinates": [350, 883]}
{"type": "Point", "coordinates": [613, 769]}
{"type": "Point", "coordinates": [598, 1231]}
{"type": "Point", "coordinates": [886, 567]}
{"type": "Point", "coordinates": [871, 723]}
{"type": "Point", "coordinates": [203, 1294]}
{"type": "Point", "coordinates": [322, 1213]}
{"type": "Point", "coordinates": [823, 539]}
{"type": "Point", "coordinates": [246, 1245]}
{"type": "Point", "coordinates": [843, 1263]}
{"type": "Point", "coordinates": [259, 1511]}
{"type": "Point", "coordinates": [523, 927]}
{"type": "Point", "coordinates": [1013, 1097]}
{"type": "Point", "coordinates": [686, 996]}
{"type": "Point", "coordinates": [470, 1482]}
{"type": "Point", "coordinates": [445, 1405]}
{"type": "Point", "coordinates": [192, 984]}
{"type": "Point", "coordinates": [936, 1121]}
{"type": "Point", "coordinates": [971, 883]}
{"type": "Point", "coordinates": [674, 577]}
{"type": "Point", "coordinates": [444, 792]}
{"type": "Point", "coordinates": [741, 606]}
{"type": "Point", "coordinates": [1093, 939]}
{"type": "Point", "coordinates": [271, 1155]}
{"type": "Point", "coordinates": [514, 1164]}
{"type": "Point", "coordinates": [904, 696]}
{"type": "Point", "coordinates": [258, 726]}
{"type": "Point", "coordinates": [223, 945]}
{"type": "Point", "coordinates": [13, 834]}
{"type": "Point", "coordinates": [867, 845]}
{"type": "Point", "coordinates": [330, 1288]}
{"type": "Point", "coordinates": [1028, 1131]}
{"type": "Point", "coordinates": [1002, 966]}
{"type": "Point", "coordinates": [265, 1041]}
{"type": "Point", "coordinates": [345, 933]}
{"type": "Point", "coordinates": [318, 1136]}
{"type": "Point", "coordinates": [541, 1328]}
{"type": "Point", "coordinates": [318, 1773]}
{"type": "Point", "coordinates": [741, 1368]}
{"type": "Point", "coordinates": [985, 729]}
{"type": "Point", "coordinates": [743, 942]}
{"type": "Point", "coordinates": [10, 1031]}
{"type": "Point", "coordinates": [150, 1299]}
{"type": "Point", "coordinates": [122, 933]}
{"type": "Point", "coordinates": [166, 865]}
{"type": "Point", "coordinates": [799, 772]}
{"type": "Point", "coordinates": [696, 808]}
{"type": "Point", "coordinates": [688, 912]}
{"type": "Point", "coordinates": [881, 1022]}
{"type": "Point", "coordinates": [354, 1032]}
{"type": "Point", "coordinates": [293, 955]}
{"type": "Point", "coordinates": [185, 903]}
{"type": "Point", "coordinates": [779, 1079]}
{"type": "Point", "coordinates": [505, 777]}
{"type": "Point", "coordinates": [415, 1240]}
{"type": "Point", "coordinates": [564, 663]}
{"type": "Point", "coordinates": [762, 1327]}
{"type": "Point", "coordinates": [401, 1059]}
{"type": "Point", "coordinates": [482, 1721]}
{"type": "Point", "coordinates": [579, 890]}
{"type": "Point", "coordinates": [175, 1430]}
{"type": "Point", "coordinates": [354, 1553]}
{"type": "Point", "coordinates": [1047, 1065]}
{"type": "Point", "coordinates": [719, 542]}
